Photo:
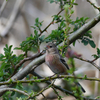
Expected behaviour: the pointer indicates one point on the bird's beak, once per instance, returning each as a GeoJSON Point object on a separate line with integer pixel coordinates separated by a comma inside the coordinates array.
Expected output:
{"type": "Point", "coordinates": [47, 49]}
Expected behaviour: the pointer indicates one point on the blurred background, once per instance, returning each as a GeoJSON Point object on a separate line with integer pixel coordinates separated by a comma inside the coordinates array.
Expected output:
{"type": "Point", "coordinates": [16, 19]}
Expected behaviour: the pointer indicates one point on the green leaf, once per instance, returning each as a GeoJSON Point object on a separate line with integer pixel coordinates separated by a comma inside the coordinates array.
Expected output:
{"type": "Point", "coordinates": [17, 48]}
{"type": "Point", "coordinates": [1, 57]}
{"type": "Point", "coordinates": [51, 1]}
{"type": "Point", "coordinates": [85, 42]}
{"type": "Point", "coordinates": [92, 43]}
{"type": "Point", "coordinates": [37, 20]}
{"type": "Point", "coordinates": [98, 51]}
{"type": "Point", "coordinates": [74, 43]}
{"type": "Point", "coordinates": [85, 77]}
{"type": "Point", "coordinates": [95, 56]}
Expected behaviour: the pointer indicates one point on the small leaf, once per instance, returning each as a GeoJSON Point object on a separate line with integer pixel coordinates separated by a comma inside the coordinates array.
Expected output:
{"type": "Point", "coordinates": [92, 43]}
{"type": "Point", "coordinates": [37, 20]}
{"type": "Point", "coordinates": [95, 56]}
{"type": "Point", "coordinates": [85, 77]}
{"type": "Point", "coordinates": [98, 51]}
{"type": "Point", "coordinates": [74, 43]}
{"type": "Point", "coordinates": [17, 48]}
{"type": "Point", "coordinates": [85, 42]}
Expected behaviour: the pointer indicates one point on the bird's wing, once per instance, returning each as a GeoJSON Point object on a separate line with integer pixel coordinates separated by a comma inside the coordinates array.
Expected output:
{"type": "Point", "coordinates": [64, 62]}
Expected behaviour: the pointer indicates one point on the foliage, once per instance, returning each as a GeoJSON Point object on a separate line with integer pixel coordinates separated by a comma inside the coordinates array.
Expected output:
{"type": "Point", "coordinates": [8, 62]}
{"type": "Point", "coordinates": [86, 38]}
{"type": "Point", "coordinates": [96, 56]}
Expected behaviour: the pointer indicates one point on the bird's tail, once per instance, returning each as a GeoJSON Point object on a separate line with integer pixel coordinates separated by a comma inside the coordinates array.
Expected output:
{"type": "Point", "coordinates": [81, 87]}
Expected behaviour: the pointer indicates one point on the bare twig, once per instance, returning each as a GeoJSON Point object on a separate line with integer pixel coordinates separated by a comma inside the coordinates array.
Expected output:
{"type": "Point", "coordinates": [93, 4]}
{"type": "Point", "coordinates": [55, 86]}
{"type": "Point", "coordinates": [59, 97]}
{"type": "Point", "coordinates": [50, 23]}
{"type": "Point", "coordinates": [91, 62]}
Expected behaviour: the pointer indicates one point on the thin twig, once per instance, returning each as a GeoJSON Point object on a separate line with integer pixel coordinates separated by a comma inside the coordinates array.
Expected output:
{"type": "Point", "coordinates": [93, 5]}
{"type": "Point", "coordinates": [50, 23]}
{"type": "Point", "coordinates": [91, 62]}
{"type": "Point", "coordinates": [40, 92]}
{"type": "Point", "coordinates": [59, 97]}
{"type": "Point", "coordinates": [44, 96]}
{"type": "Point", "coordinates": [24, 60]}
{"type": "Point", "coordinates": [55, 86]}
{"type": "Point", "coordinates": [13, 89]}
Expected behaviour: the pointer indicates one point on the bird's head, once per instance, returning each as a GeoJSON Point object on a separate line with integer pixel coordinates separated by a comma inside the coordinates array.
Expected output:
{"type": "Point", "coordinates": [51, 48]}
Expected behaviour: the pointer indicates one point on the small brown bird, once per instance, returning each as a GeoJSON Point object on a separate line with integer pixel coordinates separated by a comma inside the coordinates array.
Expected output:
{"type": "Point", "coordinates": [56, 62]}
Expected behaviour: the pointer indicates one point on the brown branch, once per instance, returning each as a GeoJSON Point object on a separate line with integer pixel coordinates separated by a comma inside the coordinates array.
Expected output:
{"type": "Point", "coordinates": [24, 60]}
{"type": "Point", "coordinates": [59, 97]}
{"type": "Point", "coordinates": [50, 23]}
{"type": "Point", "coordinates": [55, 86]}
{"type": "Point", "coordinates": [93, 5]}
{"type": "Point", "coordinates": [52, 78]}
{"type": "Point", "coordinates": [91, 62]}
{"type": "Point", "coordinates": [48, 79]}
{"type": "Point", "coordinates": [39, 92]}
{"type": "Point", "coordinates": [13, 89]}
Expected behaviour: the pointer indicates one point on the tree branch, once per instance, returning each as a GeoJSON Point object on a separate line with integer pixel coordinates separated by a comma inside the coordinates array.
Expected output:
{"type": "Point", "coordinates": [13, 89]}
{"type": "Point", "coordinates": [91, 62]}
{"type": "Point", "coordinates": [93, 5]}
{"type": "Point", "coordinates": [50, 23]}
{"type": "Point", "coordinates": [48, 79]}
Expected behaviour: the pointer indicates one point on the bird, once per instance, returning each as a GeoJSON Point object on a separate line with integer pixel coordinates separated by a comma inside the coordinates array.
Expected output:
{"type": "Point", "coordinates": [56, 62]}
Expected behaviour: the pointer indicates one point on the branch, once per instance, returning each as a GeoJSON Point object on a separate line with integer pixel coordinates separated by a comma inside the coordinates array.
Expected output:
{"type": "Point", "coordinates": [24, 60]}
{"type": "Point", "coordinates": [50, 23]}
{"type": "Point", "coordinates": [93, 5]}
{"type": "Point", "coordinates": [91, 62]}
{"type": "Point", "coordinates": [82, 30]}
{"type": "Point", "coordinates": [13, 89]}
{"type": "Point", "coordinates": [48, 79]}
{"type": "Point", "coordinates": [55, 86]}
{"type": "Point", "coordinates": [40, 92]}
{"type": "Point", "coordinates": [56, 92]}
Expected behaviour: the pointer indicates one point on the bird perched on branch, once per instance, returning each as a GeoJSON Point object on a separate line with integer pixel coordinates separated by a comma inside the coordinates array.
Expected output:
{"type": "Point", "coordinates": [56, 62]}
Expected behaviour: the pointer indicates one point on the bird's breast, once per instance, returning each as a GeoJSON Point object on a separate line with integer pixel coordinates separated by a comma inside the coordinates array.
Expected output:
{"type": "Point", "coordinates": [55, 64]}
{"type": "Point", "coordinates": [50, 60]}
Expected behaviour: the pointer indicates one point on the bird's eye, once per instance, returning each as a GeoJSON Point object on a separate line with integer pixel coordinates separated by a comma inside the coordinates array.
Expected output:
{"type": "Point", "coordinates": [50, 46]}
